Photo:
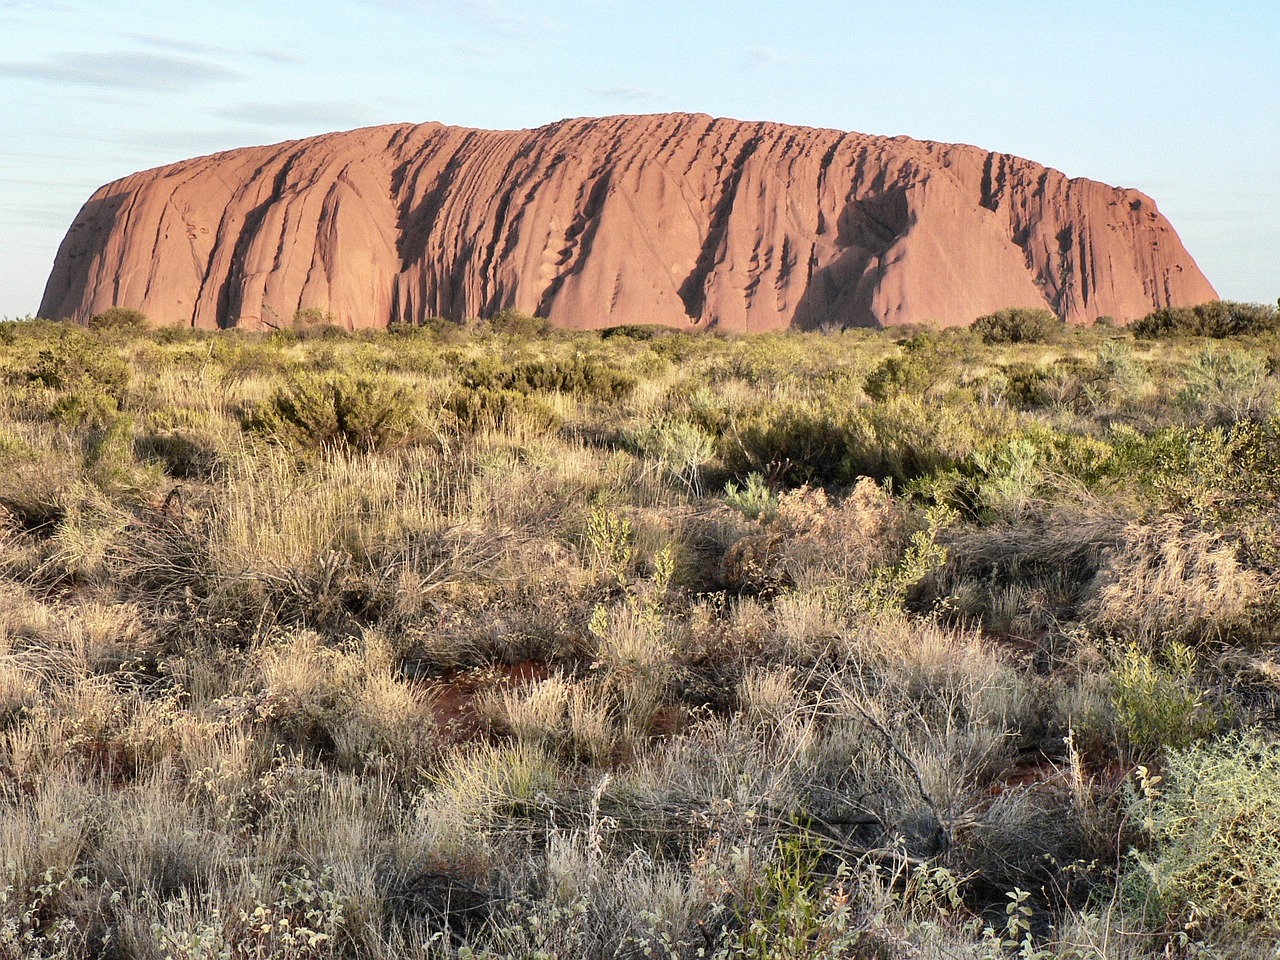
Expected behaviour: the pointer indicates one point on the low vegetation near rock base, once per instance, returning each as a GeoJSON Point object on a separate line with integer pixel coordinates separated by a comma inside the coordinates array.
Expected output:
{"type": "Point", "coordinates": [499, 641]}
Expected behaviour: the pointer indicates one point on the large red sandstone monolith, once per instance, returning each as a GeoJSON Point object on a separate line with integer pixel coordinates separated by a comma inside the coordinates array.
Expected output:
{"type": "Point", "coordinates": [674, 219]}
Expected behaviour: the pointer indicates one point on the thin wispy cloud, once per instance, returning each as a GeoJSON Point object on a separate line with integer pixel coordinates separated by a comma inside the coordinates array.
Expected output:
{"type": "Point", "coordinates": [283, 57]}
{"type": "Point", "coordinates": [501, 17]}
{"type": "Point", "coordinates": [177, 44]}
{"type": "Point", "coordinates": [477, 52]}
{"type": "Point", "coordinates": [46, 215]}
{"type": "Point", "coordinates": [627, 94]}
{"type": "Point", "coordinates": [181, 144]}
{"type": "Point", "coordinates": [330, 115]}
{"type": "Point", "coordinates": [200, 48]}
{"type": "Point", "coordinates": [121, 71]}
{"type": "Point", "coordinates": [758, 58]}
{"type": "Point", "coordinates": [31, 6]}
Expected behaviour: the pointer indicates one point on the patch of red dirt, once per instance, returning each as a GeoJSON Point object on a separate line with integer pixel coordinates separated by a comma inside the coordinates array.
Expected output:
{"type": "Point", "coordinates": [452, 697]}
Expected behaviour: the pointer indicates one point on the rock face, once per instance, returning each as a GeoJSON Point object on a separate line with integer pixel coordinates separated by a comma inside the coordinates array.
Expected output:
{"type": "Point", "coordinates": [674, 219]}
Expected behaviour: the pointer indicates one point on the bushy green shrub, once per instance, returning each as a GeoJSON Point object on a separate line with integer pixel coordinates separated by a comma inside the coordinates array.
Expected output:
{"type": "Point", "coordinates": [78, 361]}
{"type": "Point", "coordinates": [313, 317]}
{"type": "Point", "coordinates": [1213, 824]}
{"type": "Point", "coordinates": [1025, 385]}
{"type": "Point", "coordinates": [338, 411]}
{"type": "Point", "coordinates": [1018, 325]}
{"type": "Point", "coordinates": [642, 332]}
{"type": "Point", "coordinates": [183, 454]}
{"type": "Point", "coordinates": [119, 318]}
{"type": "Point", "coordinates": [576, 374]}
{"type": "Point", "coordinates": [926, 358]}
{"type": "Point", "coordinates": [894, 376]}
{"type": "Point", "coordinates": [1224, 385]}
{"type": "Point", "coordinates": [1216, 319]}
{"type": "Point", "coordinates": [679, 448]}
{"type": "Point", "coordinates": [1159, 703]}
{"type": "Point", "coordinates": [88, 406]}
{"type": "Point", "coordinates": [791, 445]}
{"type": "Point", "coordinates": [476, 409]}
{"type": "Point", "coordinates": [1226, 478]}
{"type": "Point", "coordinates": [754, 500]}
{"type": "Point", "coordinates": [438, 329]}
{"type": "Point", "coordinates": [1008, 479]}
{"type": "Point", "coordinates": [512, 323]}
{"type": "Point", "coordinates": [908, 439]}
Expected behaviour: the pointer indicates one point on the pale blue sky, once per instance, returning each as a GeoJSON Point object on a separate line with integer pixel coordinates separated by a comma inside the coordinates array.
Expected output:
{"type": "Point", "coordinates": [1178, 99]}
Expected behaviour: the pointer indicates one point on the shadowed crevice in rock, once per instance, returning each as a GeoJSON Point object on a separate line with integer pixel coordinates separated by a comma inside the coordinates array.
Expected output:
{"type": "Point", "coordinates": [693, 289]}
{"type": "Point", "coordinates": [74, 268]}
{"type": "Point", "coordinates": [231, 294]}
{"type": "Point", "coordinates": [841, 294]}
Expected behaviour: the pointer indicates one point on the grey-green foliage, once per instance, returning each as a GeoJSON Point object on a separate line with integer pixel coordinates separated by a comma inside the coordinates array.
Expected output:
{"type": "Point", "coordinates": [925, 359]}
{"type": "Point", "coordinates": [119, 318]}
{"type": "Point", "coordinates": [753, 499]}
{"type": "Point", "coordinates": [77, 364]}
{"type": "Point", "coordinates": [1226, 384]}
{"type": "Point", "coordinates": [1213, 825]}
{"type": "Point", "coordinates": [680, 449]}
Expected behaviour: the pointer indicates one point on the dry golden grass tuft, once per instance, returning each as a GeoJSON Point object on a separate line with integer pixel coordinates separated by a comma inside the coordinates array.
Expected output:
{"type": "Point", "coordinates": [1168, 580]}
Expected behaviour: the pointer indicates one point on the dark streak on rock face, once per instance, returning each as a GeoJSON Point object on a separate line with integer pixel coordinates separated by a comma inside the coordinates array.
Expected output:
{"type": "Point", "coordinates": [673, 219]}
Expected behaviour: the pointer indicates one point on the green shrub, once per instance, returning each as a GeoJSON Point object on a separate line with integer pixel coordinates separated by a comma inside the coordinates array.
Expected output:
{"type": "Point", "coordinates": [610, 539]}
{"type": "Point", "coordinates": [312, 323]}
{"type": "Point", "coordinates": [894, 376]}
{"type": "Point", "coordinates": [888, 587]}
{"type": "Point", "coordinates": [791, 445]}
{"type": "Point", "coordinates": [926, 358]}
{"type": "Point", "coordinates": [1026, 385]}
{"type": "Point", "coordinates": [313, 317]}
{"type": "Point", "coordinates": [479, 409]}
{"type": "Point", "coordinates": [337, 411]}
{"type": "Point", "coordinates": [1224, 385]}
{"type": "Point", "coordinates": [83, 407]}
{"type": "Point", "coordinates": [754, 499]}
{"type": "Point", "coordinates": [119, 318]}
{"type": "Point", "coordinates": [576, 374]}
{"type": "Point", "coordinates": [1117, 373]}
{"type": "Point", "coordinates": [107, 452]}
{"type": "Point", "coordinates": [296, 918]}
{"type": "Point", "coordinates": [1217, 319]}
{"type": "Point", "coordinates": [1160, 705]}
{"type": "Point", "coordinates": [183, 454]}
{"type": "Point", "coordinates": [1008, 480]}
{"type": "Point", "coordinates": [906, 440]}
{"type": "Point", "coordinates": [679, 448]}
{"type": "Point", "coordinates": [1227, 478]}
{"type": "Point", "coordinates": [642, 332]}
{"type": "Point", "coordinates": [788, 917]}
{"type": "Point", "coordinates": [1018, 325]}
{"type": "Point", "coordinates": [514, 324]}
{"type": "Point", "coordinates": [1213, 824]}
{"type": "Point", "coordinates": [77, 361]}
{"type": "Point", "coordinates": [38, 918]}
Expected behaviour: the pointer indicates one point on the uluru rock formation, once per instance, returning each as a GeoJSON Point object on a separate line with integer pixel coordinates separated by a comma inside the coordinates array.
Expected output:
{"type": "Point", "coordinates": [675, 219]}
